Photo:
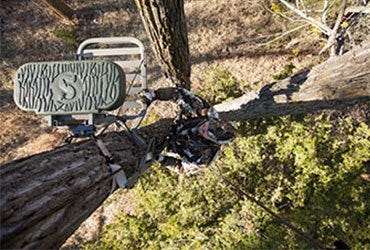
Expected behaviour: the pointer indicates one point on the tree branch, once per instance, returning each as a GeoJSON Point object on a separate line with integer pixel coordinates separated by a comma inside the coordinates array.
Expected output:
{"type": "Point", "coordinates": [340, 81]}
{"type": "Point", "coordinates": [324, 28]}
{"type": "Point", "coordinates": [334, 32]}
{"type": "Point", "coordinates": [281, 35]}
{"type": "Point", "coordinates": [325, 11]}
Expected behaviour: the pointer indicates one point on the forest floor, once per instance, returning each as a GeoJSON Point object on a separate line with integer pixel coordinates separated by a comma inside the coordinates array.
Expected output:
{"type": "Point", "coordinates": [224, 34]}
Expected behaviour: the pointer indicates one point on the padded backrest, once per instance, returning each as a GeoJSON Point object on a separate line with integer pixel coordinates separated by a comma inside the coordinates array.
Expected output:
{"type": "Point", "coordinates": [69, 87]}
{"type": "Point", "coordinates": [128, 53]}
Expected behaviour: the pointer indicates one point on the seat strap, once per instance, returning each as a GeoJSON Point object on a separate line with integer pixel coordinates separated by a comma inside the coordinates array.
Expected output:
{"type": "Point", "coordinates": [119, 176]}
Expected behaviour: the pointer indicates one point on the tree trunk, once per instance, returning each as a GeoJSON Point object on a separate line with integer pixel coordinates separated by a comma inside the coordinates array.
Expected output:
{"type": "Point", "coordinates": [340, 81]}
{"type": "Point", "coordinates": [60, 8]}
{"type": "Point", "coordinates": [170, 44]}
{"type": "Point", "coordinates": [45, 197]}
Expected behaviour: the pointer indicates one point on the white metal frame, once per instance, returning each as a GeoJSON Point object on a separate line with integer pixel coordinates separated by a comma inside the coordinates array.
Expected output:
{"type": "Point", "coordinates": [126, 46]}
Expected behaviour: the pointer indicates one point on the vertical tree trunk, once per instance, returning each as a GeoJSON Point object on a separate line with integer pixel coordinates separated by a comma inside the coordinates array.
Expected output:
{"type": "Point", "coordinates": [59, 7]}
{"type": "Point", "coordinates": [165, 24]}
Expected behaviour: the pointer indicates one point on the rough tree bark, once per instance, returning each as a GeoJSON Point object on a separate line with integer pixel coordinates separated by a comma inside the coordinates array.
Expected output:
{"type": "Point", "coordinates": [45, 197]}
{"type": "Point", "coordinates": [60, 8]}
{"type": "Point", "coordinates": [340, 81]}
{"type": "Point", "coordinates": [169, 44]}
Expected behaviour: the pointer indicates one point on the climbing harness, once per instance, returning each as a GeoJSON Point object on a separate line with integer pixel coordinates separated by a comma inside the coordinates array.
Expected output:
{"type": "Point", "coordinates": [117, 172]}
{"type": "Point", "coordinates": [196, 135]}
{"type": "Point", "coordinates": [119, 176]}
{"type": "Point", "coordinates": [144, 163]}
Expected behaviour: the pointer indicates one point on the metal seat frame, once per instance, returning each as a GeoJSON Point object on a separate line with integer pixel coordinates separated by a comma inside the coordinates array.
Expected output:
{"type": "Point", "coordinates": [135, 69]}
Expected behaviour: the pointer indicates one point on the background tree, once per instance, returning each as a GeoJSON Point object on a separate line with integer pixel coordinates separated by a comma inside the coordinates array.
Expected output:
{"type": "Point", "coordinates": [165, 25]}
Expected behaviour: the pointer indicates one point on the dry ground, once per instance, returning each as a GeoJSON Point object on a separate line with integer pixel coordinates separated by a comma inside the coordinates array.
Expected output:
{"type": "Point", "coordinates": [222, 33]}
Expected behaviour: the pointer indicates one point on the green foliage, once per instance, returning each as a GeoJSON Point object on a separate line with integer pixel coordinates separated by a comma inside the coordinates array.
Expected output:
{"type": "Point", "coordinates": [308, 170]}
{"type": "Point", "coordinates": [219, 85]}
{"type": "Point", "coordinates": [286, 72]}
{"type": "Point", "coordinates": [305, 168]}
{"type": "Point", "coordinates": [67, 34]}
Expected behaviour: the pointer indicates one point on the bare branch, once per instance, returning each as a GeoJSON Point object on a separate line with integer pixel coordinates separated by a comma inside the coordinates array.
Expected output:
{"type": "Point", "coordinates": [350, 37]}
{"type": "Point", "coordinates": [333, 35]}
{"type": "Point", "coordinates": [283, 34]}
{"type": "Point", "coordinates": [358, 9]}
{"type": "Point", "coordinates": [279, 13]}
{"type": "Point", "coordinates": [324, 11]}
{"type": "Point", "coordinates": [324, 28]}
{"type": "Point", "coordinates": [304, 7]}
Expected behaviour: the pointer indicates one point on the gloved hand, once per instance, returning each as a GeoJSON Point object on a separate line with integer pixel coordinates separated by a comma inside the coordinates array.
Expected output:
{"type": "Point", "coordinates": [147, 96]}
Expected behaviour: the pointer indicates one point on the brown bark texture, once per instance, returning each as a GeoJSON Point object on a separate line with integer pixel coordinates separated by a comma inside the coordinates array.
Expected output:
{"type": "Point", "coordinates": [340, 81]}
{"type": "Point", "coordinates": [45, 197]}
{"type": "Point", "coordinates": [60, 8]}
{"type": "Point", "coordinates": [169, 44]}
